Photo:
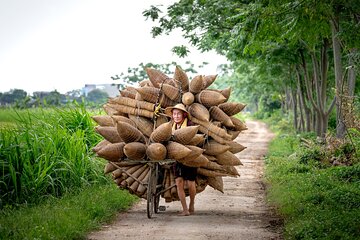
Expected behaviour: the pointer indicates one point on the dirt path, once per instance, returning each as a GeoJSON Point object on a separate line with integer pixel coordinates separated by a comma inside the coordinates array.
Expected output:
{"type": "Point", "coordinates": [240, 213]}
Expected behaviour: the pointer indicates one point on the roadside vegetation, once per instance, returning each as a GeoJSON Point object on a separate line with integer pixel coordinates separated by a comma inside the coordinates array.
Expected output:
{"type": "Point", "coordinates": [51, 184]}
{"type": "Point", "coordinates": [314, 184]}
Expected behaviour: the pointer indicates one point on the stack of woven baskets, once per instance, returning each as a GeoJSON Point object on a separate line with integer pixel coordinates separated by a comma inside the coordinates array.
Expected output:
{"type": "Point", "coordinates": [136, 130]}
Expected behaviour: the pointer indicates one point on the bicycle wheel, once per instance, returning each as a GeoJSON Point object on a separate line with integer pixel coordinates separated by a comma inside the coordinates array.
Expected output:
{"type": "Point", "coordinates": [157, 190]}
{"type": "Point", "coordinates": [150, 192]}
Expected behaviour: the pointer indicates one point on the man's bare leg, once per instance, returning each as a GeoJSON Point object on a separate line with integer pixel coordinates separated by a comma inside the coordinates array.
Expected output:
{"type": "Point", "coordinates": [181, 193]}
{"type": "Point", "coordinates": [192, 193]}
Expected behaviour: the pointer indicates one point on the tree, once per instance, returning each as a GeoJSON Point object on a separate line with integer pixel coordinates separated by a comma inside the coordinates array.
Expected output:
{"type": "Point", "coordinates": [13, 95]}
{"type": "Point", "coordinates": [97, 96]}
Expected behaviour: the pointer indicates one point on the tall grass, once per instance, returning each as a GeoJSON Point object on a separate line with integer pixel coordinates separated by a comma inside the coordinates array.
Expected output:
{"type": "Point", "coordinates": [47, 153]}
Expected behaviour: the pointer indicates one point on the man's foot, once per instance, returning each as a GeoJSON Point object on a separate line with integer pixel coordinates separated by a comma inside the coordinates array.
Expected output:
{"type": "Point", "coordinates": [191, 209]}
{"type": "Point", "coordinates": [184, 213]}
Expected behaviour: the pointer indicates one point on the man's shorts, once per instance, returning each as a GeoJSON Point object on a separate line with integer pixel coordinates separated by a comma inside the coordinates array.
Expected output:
{"type": "Point", "coordinates": [187, 173]}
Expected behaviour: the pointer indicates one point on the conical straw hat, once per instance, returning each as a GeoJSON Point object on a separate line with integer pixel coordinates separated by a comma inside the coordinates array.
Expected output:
{"type": "Point", "coordinates": [145, 125]}
{"type": "Point", "coordinates": [208, 80]}
{"type": "Point", "coordinates": [181, 77]}
{"type": "Point", "coordinates": [176, 150]}
{"type": "Point", "coordinates": [196, 84]}
{"type": "Point", "coordinates": [199, 111]}
{"type": "Point", "coordinates": [156, 152]}
{"type": "Point", "coordinates": [239, 125]}
{"type": "Point", "coordinates": [198, 139]}
{"type": "Point", "coordinates": [228, 158]}
{"type": "Point", "coordinates": [210, 98]}
{"type": "Point", "coordinates": [217, 114]}
{"type": "Point", "coordinates": [180, 106]}
{"type": "Point", "coordinates": [185, 135]}
{"type": "Point", "coordinates": [216, 183]}
{"type": "Point", "coordinates": [187, 98]}
{"type": "Point", "coordinates": [156, 77]}
{"type": "Point", "coordinates": [171, 92]}
{"type": "Point", "coordinates": [162, 133]}
{"type": "Point", "coordinates": [129, 133]}
{"type": "Point", "coordinates": [231, 108]}
{"type": "Point", "coordinates": [213, 148]}
{"type": "Point", "coordinates": [103, 120]}
{"type": "Point", "coordinates": [117, 119]}
{"type": "Point", "coordinates": [112, 152]}
{"type": "Point", "coordinates": [135, 150]}
{"type": "Point", "coordinates": [235, 147]}
{"type": "Point", "coordinates": [109, 133]}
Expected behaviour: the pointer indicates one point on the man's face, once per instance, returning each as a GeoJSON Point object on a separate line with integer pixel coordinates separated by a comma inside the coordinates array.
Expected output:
{"type": "Point", "coordinates": [177, 115]}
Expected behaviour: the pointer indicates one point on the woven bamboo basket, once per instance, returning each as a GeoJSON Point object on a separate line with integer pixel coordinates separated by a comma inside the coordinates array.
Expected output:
{"type": "Point", "coordinates": [109, 133]}
{"type": "Point", "coordinates": [185, 135]}
{"type": "Point", "coordinates": [187, 98]}
{"type": "Point", "coordinates": [200, 161]}
{"type": "Point", "coordinates": [199, 111]}
{"type": "Point", "coordinates": [146, 83]}
{"type": "Point", "coordinates": [156, 152]}
{"type": "Point", "coordinates": [201, 184]}
{"type": "Point", "coordinates": [142, 189]}
{"type": "Point", "coordinates": [111, 111]}
{"type": "Point", "coordinates": [214, 148]}
{"type": "Point", "coordinates": [212, 128]}
{"type": "Point", "coordinates": [218, 114]}
{"type": "Point", "coordinates": [135, 150]}
{"type": "Point", "coordinates": [208, 80]}
{"type": "Point", "coordinates": [162, 133]}
{"type": "Point", "coordinates": [166, 102]}
{"type": "Point", "coordinates": [160, 120]}
{"type": "Point", "coordinates": [228, 158]}
{"type": "Point", "coordinates": [132, 111]}
{"type": "Point", "coordinates": [138, 97]}
{"type": "Point", "coordinates": [103, 120]}
{"type": "Point", "coordinates": [176, 150]}
{"type": "Point", "coordinates": [156, 77]}
{"type": "Point", "coordinates": [131, 179]}
{"type": "Point", "coordinates": [181, 77]}
{"type": "Point", "coordinates": [134, 186]}
{"type": "Point", "coordinates": [233, 133]}
{"type": "Point", "coordinates": [197, 140]}
{"type": "Point", "coordinates": [195, 153]}
{"type": "Point", "coordinates": [145, 125]}
{"type": "Point", "coordinates": [100, 145]}
{"type": "Point", "coordinates": [210, 98]}
{"type": "Point", "coordinates": [127, 94]}
{"type": "Point", "coordinates": [196, 84]}
{"type": "Point", "coordinates": [214, 136]}
{"type": "Point", "coordinates": [231, 108]}
{"type": "Point", "coordinates": [226, 93]}
{"type": "Point", "coordinates": [109, 168]}
{"type": "Point", "coordinates": [117, 119]}
{"type": "Point", "coordinates": [217, 123]}
{"type": "Point", "coordinates": [231, 171]}
{"type": "Point", "coordinates": [214, 166]}
{"type": "Point", "coordinates": [216, 183]}
{"type": "Point", "coordinates": [210, 157]}
{"type": "Point", "coordinates": [149, 94]}
{"type": "Point", "coordinates": [209, 173]}
{"type": "Point", "coordinates": [171, 92]}
{"type": "Point", "coordinates": [112, 152]}
{"type": "Point", "coordinates": [236, 147]}
{"type": "Point", "coordinates": [239, 125]}
{"type": "Point", "coordinates": [133, 103]}
{"type": "Point", "coordinates": [129, 133]}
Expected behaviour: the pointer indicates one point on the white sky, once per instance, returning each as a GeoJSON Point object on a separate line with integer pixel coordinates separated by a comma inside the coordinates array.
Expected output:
{"type": "Point", "coordinates": [64, 44]}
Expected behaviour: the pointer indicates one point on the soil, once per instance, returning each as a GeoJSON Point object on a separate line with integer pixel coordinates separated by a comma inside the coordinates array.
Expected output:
{"type": "Point", "coordinates": [241, 212]}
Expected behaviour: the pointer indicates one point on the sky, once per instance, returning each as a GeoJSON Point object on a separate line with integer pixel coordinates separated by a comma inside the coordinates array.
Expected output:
{"type": "Point", "coordinates": [48, 45]}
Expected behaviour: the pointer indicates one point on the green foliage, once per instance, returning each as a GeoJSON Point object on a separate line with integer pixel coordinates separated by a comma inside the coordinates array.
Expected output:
{"type": "Point", "coordinates": [47, 153]}
{"type": "Point", "coordinates": [71, 217]}
{"type": "Point", "coordinates": [97, 96]}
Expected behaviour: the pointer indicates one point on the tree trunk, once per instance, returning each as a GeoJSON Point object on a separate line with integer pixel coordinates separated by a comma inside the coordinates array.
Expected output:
{"type": "Point", "coordinates": [351, 74]}
{"type": "Point", "coordinates": [340, 126]}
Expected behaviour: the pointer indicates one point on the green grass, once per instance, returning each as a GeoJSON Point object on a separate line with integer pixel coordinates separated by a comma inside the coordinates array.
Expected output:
{"type": "Point", "coordinates": [317, 201]}
{"type": "Point", "coordinates": [71, 217]}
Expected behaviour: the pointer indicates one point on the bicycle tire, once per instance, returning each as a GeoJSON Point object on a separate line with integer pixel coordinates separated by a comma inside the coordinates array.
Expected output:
{"type": "Point", "coordinates": [156, 192]}
{"type": "Point", "coordinates": [150, 193]}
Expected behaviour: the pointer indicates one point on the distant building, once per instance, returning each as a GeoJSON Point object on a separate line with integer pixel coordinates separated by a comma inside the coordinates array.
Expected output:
{"type": "Point", "coordinates": [111, 89]}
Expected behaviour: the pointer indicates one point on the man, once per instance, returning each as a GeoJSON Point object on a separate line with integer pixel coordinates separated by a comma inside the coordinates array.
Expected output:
{"type": "Point", "coordinates": [183, 174]}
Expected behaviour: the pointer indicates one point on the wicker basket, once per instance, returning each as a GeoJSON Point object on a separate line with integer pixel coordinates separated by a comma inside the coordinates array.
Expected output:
{"type": "Point", "coordinates": [133, 103]}
{"type": "Point", "coordinates": [176, 150]}
{"type": "Point", "coordinates": [109, 133]}
{"type": "Point", "coordinates": [112, 152]}
{"type": "Point", "coordinates": [171, 92]}
{"type": "Point", "coordinates": [231, 171]}
{"type": "Point", "coordinates": [135, 150]}
{"type": "Point", "coordinates": [103, 120]}
{"type": "Point", "coordinates": [149, 94]}
{"type": "Point", "coordinates": [160, 120]}
{"type": "Point", "coordinates": [232, 108]}
{"type": "Point", "coordinates": [132, 110]}
{"type": "Point", "coordinates": [214, 148]}
{"type": "Point", "coordinates": [235, 147]}
{"type": "Point", "coordinates": [209, 173]}
{"type": "Point", "coordinates": [210, 98]}
{"type": "Point", "coordinates": [156, 77]}
{"type": "Point", "coordinates": [195, 153]}
{"type": "Point", "coordinates": [117, 119]}
{"type": "Point", "coordinates": [218, 114]}
{"type": "Point", "coordinates": [216, 183]}
{"type": "Point", "coordinates": [182, 79]}
{"type": "Point", "coordinates": [100, 145]}
{"type": "Point", "coordinates": [196, 84]}
{"type": "Point", "coordinates": [226, 93]}
{"type": "Point", "coordinates": [162, 133]}
{"type": "Point", "coordinates": [197, 140]}
{"type": "Point", "coordinates": [233, 133]}
{"type": "Point", "coordinates": [211, 128]}
{"type": "Point", "coordinates": [145, 125]}
{"type": "Point", "coordinates": [185, 135]}
{"type": "Point", "coordinates": [146, 83]}
{"type": "Point", "coordinates": [156, 152]}
{"type": "Point", "coordinates": [188, 98]}
{"type": "Point", "coordinates": [200, 161]}
{"type": "Point", "coordinates": [127, 94]}
{"type": "Point", "coordinates": [228, 158]}
{"type": "Point", "coordinates": [199, 111]}
{"type": "Point", "coordinates": [239, 125]}
{"type": "Point", "coordinates": [208, 80]}
{"type": "Point", "coordinates": [129, 133]}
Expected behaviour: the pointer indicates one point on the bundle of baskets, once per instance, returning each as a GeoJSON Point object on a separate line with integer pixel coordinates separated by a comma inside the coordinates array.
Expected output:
{"type": "Point", "coordinates": [136, 130]}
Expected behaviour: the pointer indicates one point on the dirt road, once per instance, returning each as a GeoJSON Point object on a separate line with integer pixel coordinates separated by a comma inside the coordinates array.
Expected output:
{"type": "Point", "coordinates": [240, 213]}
